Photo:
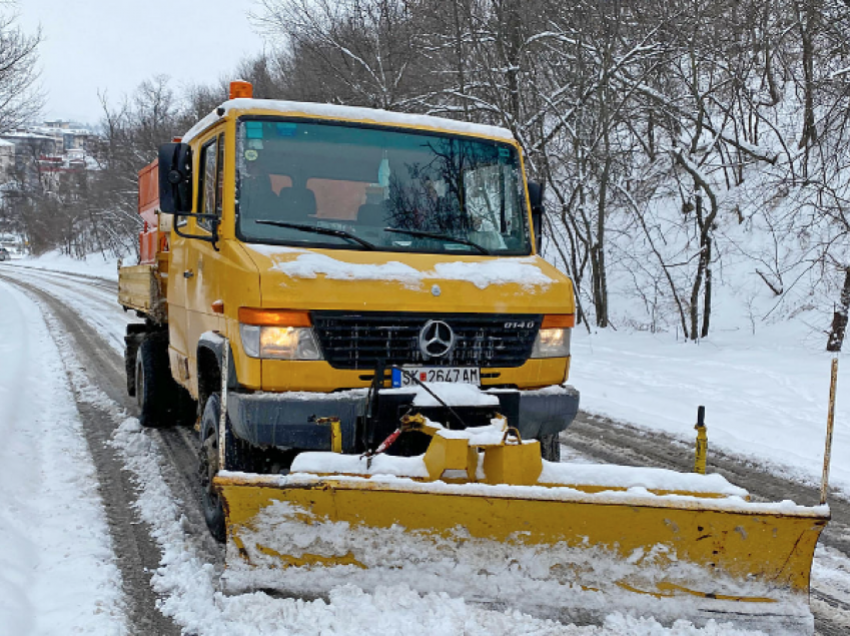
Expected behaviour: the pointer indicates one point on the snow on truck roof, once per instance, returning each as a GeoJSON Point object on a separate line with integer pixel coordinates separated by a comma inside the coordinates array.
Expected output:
{"type": "Point", "coordinates": [333, 111]}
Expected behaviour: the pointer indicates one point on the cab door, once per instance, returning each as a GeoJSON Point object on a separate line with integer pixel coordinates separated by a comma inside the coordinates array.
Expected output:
{"type": "Point", "coordinates": [203, 258]}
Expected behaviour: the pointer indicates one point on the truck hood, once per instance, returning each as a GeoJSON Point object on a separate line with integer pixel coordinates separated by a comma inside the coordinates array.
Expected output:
{"type": "Point", "coordinates": [317, 279]}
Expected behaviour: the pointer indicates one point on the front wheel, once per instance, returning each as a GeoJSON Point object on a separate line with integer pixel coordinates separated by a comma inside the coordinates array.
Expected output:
{"type": "Point", "coordinates": [237, 457]}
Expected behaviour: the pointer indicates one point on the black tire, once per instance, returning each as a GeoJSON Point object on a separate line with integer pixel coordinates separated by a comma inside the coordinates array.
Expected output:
{"type": "Point", "coordinates": [156, 391]}
{"type": "Point", "coordinates": [550, 447]}
{"type": "Point", "coordinates": [237, 457]}
{"type": "Point", "coordinates": [135, 334]}
{"type": "Point", "coordinates": [131, 351]}
{"type": "Point", "coordinates": [130, 372]}
{"type": "Point", "coordinates": [186, 408]}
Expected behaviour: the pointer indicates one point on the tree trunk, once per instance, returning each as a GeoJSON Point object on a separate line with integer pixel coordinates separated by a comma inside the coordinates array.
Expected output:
{"type": "Point", "coordinates": [809, 133]}
{"type": "Point", "coordinates": [695, 289]}
{"type": "Point", "coordinates": [706, 303]}
{"type": "Point", "coordinates": [839, 318]}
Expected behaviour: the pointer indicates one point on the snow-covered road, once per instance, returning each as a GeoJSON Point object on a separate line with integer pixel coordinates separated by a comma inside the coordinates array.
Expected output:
{"type": "Point", "coordinates": [49, 377]}
{"type": "Point", "coordinates": [57, 568]}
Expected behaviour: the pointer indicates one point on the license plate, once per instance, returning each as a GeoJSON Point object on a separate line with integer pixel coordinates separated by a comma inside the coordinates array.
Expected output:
{"type": "Point", "coordinates": [461, 375]}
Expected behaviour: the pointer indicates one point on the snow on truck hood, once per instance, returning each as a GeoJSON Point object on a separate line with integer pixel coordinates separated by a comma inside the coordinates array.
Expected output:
{"type": "Point", "coordinates": [412, 281]}
{"type": "Point", "coordinates": [298, 263]}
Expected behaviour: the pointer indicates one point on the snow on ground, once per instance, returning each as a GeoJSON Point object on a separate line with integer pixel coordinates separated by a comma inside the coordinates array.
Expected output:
{"type": "Point", "coordinates": [189, 586]}
{"type": "Point", "coordinates": [57, 570]}
{"type": "Point", "coordinates": [97, 303]}
{"type": "Point", "coordinates": [765, 395]}
{"type": "Point", "coordinates": [94, 265]}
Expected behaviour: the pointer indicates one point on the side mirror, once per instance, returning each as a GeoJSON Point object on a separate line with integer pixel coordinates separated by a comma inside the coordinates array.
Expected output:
{"type": "Point", "coordinates": [535, 196]}
{"type": "Point", "coordinates": [175, 178]}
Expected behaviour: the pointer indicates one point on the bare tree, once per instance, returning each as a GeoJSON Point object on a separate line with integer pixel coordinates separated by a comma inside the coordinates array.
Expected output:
{"type": "Point", "coordinates": [20, 98]}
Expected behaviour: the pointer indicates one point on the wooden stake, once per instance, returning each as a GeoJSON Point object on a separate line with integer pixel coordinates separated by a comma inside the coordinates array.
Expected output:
{"type": "Point", "coordinates": [830, 423]}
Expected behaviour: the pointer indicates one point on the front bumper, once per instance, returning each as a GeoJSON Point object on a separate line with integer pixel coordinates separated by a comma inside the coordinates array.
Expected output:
{"type": "Point", "coordinates": [287, 420]}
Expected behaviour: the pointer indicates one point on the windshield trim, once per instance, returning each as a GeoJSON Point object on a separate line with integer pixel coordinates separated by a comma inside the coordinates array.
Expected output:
{"type": "Point", "coordinates": [427, 132]}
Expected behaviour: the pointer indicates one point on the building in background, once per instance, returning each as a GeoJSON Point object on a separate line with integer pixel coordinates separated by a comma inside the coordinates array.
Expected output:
{"type": "Point", "coordinates": [44, 171]}
{"type": "Point", "coordinates": [52, 146]}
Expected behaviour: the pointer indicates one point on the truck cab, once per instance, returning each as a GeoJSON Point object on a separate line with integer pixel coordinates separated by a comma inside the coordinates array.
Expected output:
{"type": "Point", "coordinates": [330, 261]}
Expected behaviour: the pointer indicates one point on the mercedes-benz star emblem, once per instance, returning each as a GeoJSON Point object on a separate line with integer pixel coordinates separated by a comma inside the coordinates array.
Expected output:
{"type": "Point", "coordinates": [436, 339]}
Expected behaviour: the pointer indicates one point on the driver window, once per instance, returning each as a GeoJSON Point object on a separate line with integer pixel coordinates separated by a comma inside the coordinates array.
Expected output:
{"type": "Point", "coordinates": [211, 180]}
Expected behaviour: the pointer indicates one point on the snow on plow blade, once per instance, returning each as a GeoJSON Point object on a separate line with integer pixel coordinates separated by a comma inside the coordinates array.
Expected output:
{"type": "Point", "coordinates": [576, 543]}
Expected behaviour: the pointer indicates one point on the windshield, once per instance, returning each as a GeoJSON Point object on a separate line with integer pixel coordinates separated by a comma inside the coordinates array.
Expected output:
{"type": "Point", "coordinates": [377, 189]}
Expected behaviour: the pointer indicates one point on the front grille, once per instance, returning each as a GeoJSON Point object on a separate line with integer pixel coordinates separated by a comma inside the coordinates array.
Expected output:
{"type": "Point", "coordinates": [359, 341]}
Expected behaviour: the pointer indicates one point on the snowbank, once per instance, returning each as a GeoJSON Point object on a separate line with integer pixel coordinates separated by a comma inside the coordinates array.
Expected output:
{"type": "Point", "coordinates": [765, 394]}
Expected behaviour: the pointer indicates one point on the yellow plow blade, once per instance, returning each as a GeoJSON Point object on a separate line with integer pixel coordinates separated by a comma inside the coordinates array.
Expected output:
{"type": "Point", "coordinates": [553, 551]}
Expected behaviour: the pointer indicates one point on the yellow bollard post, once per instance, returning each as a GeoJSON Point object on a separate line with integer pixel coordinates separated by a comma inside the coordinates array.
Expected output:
{"type": "Point", "coordinates": [702, 442]}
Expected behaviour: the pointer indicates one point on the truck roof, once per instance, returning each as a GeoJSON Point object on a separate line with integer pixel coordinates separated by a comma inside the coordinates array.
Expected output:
{"type": "Point", "coordinates": [334, 111]}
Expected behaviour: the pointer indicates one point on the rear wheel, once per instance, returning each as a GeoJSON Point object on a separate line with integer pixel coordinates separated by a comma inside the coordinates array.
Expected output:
{"type": "Point", "coordinates": [161, 401]}
{"type": "Point", "coordinates": [550, 447]}
{"type": "Point", "coordinates": [155, 388]}
{"type": "Point", "coordinates": [136, 333]}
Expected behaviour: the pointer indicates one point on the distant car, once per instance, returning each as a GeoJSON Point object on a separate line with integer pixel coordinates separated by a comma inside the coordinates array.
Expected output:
{"type": "Point", "coordinates": [4, 254]}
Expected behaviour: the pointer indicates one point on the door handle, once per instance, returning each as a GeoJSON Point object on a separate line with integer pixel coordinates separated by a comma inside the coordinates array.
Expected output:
{"type": "Point", "coordinates": [188, 273]}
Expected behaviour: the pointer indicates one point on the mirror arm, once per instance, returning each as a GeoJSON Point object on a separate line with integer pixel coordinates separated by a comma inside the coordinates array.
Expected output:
{"type": "Point", "coordinates": [212, 238]}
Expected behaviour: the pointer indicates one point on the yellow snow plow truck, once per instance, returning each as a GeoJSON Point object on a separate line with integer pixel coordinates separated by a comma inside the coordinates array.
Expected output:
{"type": "Point", "coordinates": [350, 306]}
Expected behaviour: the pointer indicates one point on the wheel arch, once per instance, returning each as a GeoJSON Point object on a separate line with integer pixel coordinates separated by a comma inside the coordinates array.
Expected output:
{"type": "Point", "coordinates": [211, 347]}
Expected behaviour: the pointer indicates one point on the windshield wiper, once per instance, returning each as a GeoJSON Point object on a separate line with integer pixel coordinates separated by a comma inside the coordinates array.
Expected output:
{"type": "Point", "coordinates": [319, 230]}
{"type": "Point", "coordinates": [442, 237]}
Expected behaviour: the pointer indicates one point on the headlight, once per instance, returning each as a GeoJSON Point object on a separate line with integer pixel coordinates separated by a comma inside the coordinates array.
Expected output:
{"type": "Point", "coordinates": [552, 343]}
{"type": "Point", "coordinates": [280, 343]}
{"type": "Point", "coordinates": [278, 334]}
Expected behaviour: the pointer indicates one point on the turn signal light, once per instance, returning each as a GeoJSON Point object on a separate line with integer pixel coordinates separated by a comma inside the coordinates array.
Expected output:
{"type": "Point", "coordinates": [559, 321]}
{"type": "Point", "coordinates": [274, 317]}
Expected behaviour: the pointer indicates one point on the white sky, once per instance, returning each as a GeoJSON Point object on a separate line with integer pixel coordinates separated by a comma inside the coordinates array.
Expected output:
{"type": "Point", "coordinates": [113, 45]}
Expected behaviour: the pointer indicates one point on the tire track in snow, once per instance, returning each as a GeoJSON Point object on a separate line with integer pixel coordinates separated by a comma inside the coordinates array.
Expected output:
{"type": "Point", "coordinates": [180, 445]}
{"type": "Point", "coordinates": [96, 302]}
{"type": "Point", "coordinates": [93, 281]}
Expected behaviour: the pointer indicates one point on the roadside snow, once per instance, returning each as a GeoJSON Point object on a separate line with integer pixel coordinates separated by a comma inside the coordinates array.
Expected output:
{"type": "Point", "coordinates": [57, 569]}
{"type": "Point", "coordinates": [94, 265]}
{"type": "Point", "coordinates": [765, 395]}
{"type": "Point", "coordinates": [95, 301]}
